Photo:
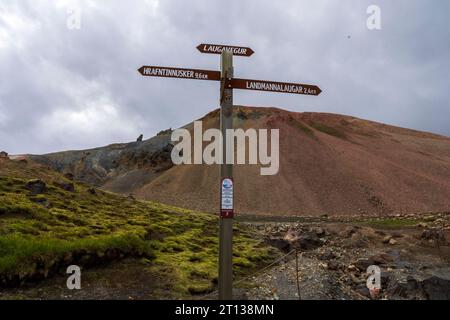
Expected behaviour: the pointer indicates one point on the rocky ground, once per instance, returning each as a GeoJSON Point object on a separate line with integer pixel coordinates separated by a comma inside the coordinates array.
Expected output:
{"type": "Point", "coordinates": [333, 257]}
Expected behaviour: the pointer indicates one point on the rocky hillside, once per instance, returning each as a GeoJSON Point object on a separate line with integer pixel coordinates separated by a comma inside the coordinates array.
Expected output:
{"type": "Point", "coordinates": [329, 164]}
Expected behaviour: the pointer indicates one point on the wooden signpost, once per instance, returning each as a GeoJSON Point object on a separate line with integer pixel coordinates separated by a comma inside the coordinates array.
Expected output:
{"type": "Point", "coordinates": [227, 84]}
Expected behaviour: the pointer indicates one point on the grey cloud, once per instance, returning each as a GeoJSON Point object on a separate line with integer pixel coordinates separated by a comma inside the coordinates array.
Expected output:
{"type": "Point", "coordinates": [69, 89]}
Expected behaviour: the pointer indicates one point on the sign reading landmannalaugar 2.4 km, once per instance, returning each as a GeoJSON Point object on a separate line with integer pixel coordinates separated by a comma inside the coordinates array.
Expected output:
{"type": "Point", "coordinates": [273, 86]}
{"type": "Point", "coordinates": [183, 73]}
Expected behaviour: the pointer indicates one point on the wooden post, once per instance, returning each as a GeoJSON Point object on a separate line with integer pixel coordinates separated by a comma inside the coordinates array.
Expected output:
{"type": "Point", "coordinates": [226, 171]}
{"type": "Point", "coordinates": [296, 273]}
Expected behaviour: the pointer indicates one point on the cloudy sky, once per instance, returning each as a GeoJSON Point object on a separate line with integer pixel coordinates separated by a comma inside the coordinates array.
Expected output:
{"type": "Point", "coordinates": [72, 88]}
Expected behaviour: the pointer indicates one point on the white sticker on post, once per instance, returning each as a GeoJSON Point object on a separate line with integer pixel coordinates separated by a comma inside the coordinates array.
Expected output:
{"type": "Point", "coordinates": [226, 198]}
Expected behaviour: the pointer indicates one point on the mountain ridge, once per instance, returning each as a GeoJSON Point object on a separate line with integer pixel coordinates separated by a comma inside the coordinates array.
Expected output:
{"type": "Point", "coordinates": [329, 164]}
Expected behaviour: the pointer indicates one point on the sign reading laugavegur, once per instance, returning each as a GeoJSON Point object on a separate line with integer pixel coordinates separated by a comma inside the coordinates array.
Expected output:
{"type": "Point", "coordinates": [218, 48]}
{"type": "Point", "coordinates": [183, 73]}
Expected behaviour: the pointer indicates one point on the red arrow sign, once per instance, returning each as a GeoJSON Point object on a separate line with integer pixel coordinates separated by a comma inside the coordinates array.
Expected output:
{"type": "Point", "coordinates": [218, 48]}
{"type": "Point", "coordinates": [152, 71]}
{"type": "Point", "coordinates": [282, 87]}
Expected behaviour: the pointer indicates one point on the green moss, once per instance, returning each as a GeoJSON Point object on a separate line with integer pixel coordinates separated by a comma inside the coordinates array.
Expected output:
{"type": "Point", "coordinates": [179, 245]}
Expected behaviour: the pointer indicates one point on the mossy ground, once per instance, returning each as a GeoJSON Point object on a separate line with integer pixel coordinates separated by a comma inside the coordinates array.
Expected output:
{"type": "Point", "coordinates": [44, 230]}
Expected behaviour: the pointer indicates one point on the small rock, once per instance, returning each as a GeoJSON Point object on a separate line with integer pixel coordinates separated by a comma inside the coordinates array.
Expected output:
{"type": "Point", "coordinates": [397, 235]}
{"type": "Point", "coordinates": [68, 186]}
{"type": "Point", "coordinates": [375, 293]}
{"type": "Point", "coordinates": [422, 225]}
{"type": "Point", "coordinates": [347, 232]}
{"type": "Point", "coordinates": [379, 259]}
{"type": "Point", "coordinates": [69, 176]}
{"type": "Point", "coordinates": [352, 268]}
{"type": "Point", "coordinates": [320, 232]}
{"type": "Point", "coordinates": [333, 265]}
{"type": "Point", "coordinates": [392, 241]}
{"type": "Point", "coordinates": [386, 239]}
{"type": "Point", "coordinates": [328, 255]}
{"type": "Point", "coordinates": [361, 243]}
{"type": "Point", "coordinates": [362, 264]}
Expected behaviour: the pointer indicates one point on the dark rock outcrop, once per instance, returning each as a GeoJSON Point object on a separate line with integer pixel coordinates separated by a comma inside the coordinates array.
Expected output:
{"type": "Point", "coordinates": [36, 186]}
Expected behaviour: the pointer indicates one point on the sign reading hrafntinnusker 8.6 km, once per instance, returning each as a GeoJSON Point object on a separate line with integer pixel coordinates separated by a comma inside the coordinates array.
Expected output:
{"type": "Point", "coordinates": [183, 73]}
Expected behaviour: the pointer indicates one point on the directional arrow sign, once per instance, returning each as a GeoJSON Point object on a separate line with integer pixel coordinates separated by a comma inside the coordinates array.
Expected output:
{"type": "Point", "coordinates": [196, 74]}
{"type": "Point", "coordinates": [218, 48]}
{"type": "Point", "coordinates": [282, 87]}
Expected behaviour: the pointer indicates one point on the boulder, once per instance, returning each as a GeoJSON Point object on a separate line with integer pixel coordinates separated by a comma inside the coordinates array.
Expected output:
{"type": "Point", "coordinates": [436, 288]}
{"type": "Point", "coordinates": [36, 186]}
{"type": "Point", "coordinates": [379, 259]}
{"type": "Point", "coordinates": [279, 243]}
{"type": "Point", "coordinates": [328, 255]}
{"type": "Point", "coordinates": [308, 241]}
{"type": "Point", "coordinates": [433, 288]}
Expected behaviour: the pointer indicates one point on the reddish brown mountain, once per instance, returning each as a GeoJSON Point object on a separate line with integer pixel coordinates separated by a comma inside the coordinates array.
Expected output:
{"type": "Point", "coordinates": [329, 164]}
